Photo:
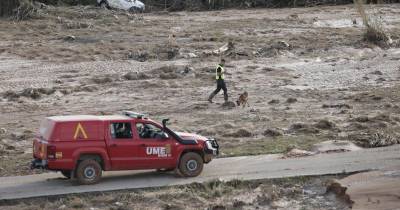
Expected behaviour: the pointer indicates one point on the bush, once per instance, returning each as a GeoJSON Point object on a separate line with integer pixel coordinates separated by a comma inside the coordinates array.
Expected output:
{"type": "Point", "coordinates": [375, 32]}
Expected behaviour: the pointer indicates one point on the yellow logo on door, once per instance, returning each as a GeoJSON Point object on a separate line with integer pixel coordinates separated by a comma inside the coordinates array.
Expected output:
{"type": "Point", "coordinates": [79, 130]}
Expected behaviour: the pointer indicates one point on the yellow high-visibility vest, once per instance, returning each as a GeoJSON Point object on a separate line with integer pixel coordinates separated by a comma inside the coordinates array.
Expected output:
{"type": "Point", "coordinates": [222, 72]}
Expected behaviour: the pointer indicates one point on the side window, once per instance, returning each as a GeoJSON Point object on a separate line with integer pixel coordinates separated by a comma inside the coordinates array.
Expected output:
{"type": "Point", "coordinates": [121, 130]}
{"type": "Point", "coordinates": [150, 131]}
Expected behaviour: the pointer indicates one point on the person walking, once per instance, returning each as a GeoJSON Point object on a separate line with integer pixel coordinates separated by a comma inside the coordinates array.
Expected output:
{"type": "Point", "coordinates": [220, 78]}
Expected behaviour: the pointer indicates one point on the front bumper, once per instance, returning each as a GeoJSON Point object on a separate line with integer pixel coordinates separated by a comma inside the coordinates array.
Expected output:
{"type": "Point", "coordinates": [39, 164]}
{"type": "Point", "coordinates": [211, 150]}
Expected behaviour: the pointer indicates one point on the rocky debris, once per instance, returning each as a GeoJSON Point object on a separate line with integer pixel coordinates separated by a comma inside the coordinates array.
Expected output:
{"type": "Point", "coordinates": [166, 52]}
{"type": "Point", "coordinates": [273, 50]}
{"type": "Point", "coordinates": [325, 124]}
{"type": "Point", "coordinates": [170, 75]}
{"type": "Point", "coordinates": [291, 100]}
{"type": "Point", "coordinates": [136, 76]}
{"type": "Point", "coordinates": [69, 24]}
{"type": "Point", "coordinates": [362, 119]}
{"type": "Point", "coordinates": [140, 56]}
{"type": "Point", "coordinates": [69, 38]}
{"type": "Point", "coordinates": [85, 88]}
{"type": "Point", "coordinates": [225, 49]}
{"type": "Point", "coordinates": [377, 73]}
{"type": "Point", "coordinates": [339, 106]}
{"type": "Point", "coordinates": [382, 117]}
{"type": "Point", "coordinates": [303, 128]}
{"type": "Point", "coordinates": [334, 146]}
{"type": "Point", "coordinates": [240, 133]}
{"type": "Point", "coordinates": [3, 131]}
{"type": "Point", "coordinates": [273, 101]}
{"type": "Point", "coordinates": [33, 93]}
{"type": "Point", "coordinates": [272, 132]}
{"type": "Point", "coordinates": [103, 79]}
{"type": "Point", "coordinates": [172, 71]}
{"type": "Point", "coordinates": [334, 186]}
{"type": "Point", "coordinates": [228, 105]}
{"type": "Point", "coordinates": [298, 153]}
{"type": "Point", "coordinates": [379, 139]}
{"type": "Point", "coordinates": [270, 69]}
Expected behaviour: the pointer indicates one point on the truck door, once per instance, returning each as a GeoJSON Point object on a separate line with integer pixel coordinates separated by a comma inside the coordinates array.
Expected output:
{"type": "Point", "coordinates": [156, 147]}
{"type": "Point", "coordinates": [122, 146]}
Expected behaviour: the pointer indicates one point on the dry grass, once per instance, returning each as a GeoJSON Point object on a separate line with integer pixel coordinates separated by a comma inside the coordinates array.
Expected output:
{"type": "Point", "coordinates": [375, 31]}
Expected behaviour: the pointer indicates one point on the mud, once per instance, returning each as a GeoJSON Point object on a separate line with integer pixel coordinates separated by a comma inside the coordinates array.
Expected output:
{"type": "Point", "coordinates": [299, 66]}
{"type": "Point", "coordinates": [289, 193]}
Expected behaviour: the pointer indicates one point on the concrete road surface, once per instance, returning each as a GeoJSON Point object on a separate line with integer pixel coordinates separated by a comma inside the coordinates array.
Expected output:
{"type": "Point", "coordinates": [246, 168]}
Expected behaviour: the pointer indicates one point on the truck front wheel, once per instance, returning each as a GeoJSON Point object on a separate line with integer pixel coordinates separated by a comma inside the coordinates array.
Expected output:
{"type": "Point", "coordinates": [88, 172]}
{"type": "Point", "coordinates": [67, 174]}
{"type": "Point", "coordinates": [191, 164]}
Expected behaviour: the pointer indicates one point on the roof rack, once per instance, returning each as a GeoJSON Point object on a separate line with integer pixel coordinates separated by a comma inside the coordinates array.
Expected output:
{"type": "Point", "coordinates": [133, 114]}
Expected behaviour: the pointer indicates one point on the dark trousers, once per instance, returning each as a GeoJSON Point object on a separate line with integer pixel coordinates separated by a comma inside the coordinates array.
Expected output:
{"type": "Point", "coordinates": [221, 85]}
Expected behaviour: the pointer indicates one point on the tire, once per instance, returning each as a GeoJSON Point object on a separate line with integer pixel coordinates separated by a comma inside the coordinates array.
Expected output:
{"type": "Point", "coordinates": [88, 172]}
{"type": "Point", "coordinates": [191, 164]}
{"type": "Point", "coordinates": [67, 174]}
{"type": "Point", "coordinates": [104, 5]}
{"type": "Point", "coordinates": [135, 10]}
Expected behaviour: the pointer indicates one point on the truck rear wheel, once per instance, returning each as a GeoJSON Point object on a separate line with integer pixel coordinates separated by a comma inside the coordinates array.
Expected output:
{"type": "Point", "coordinates": [88, 172]}
{"type": "Point", "coordinates": [191, 164]}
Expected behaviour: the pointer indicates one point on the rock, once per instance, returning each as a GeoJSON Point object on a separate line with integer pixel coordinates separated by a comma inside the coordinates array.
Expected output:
{"type": "Point", "coordinates": [140, 56]}
{"type": "Point", "coordinates": [335, 187]}
{"type": "Point", "coordinates": [298, 153]}
{"type": "Point", "coordinates": [291, 100]}
{"type": "Point", "coordinates": [362, 119]}
{"type": "Point", "coordinates": [325, 124]}
{"type": "Point", "coordinates": [334, 146]}
{"type": "Point", "coordinates": [303, 128]}
{"type": "Point", "coordinates": [11, 95]}
{"type": "Point", "coordinates": [69, 38]}
{"type": "Point", "coordinates": [380, 79]}
{"type": "Point", "coordinates": [283, 45]}
{"type": "Point", "coordinates": [272, 132]}
{"type": "Point", "coordinates": [18, 136]}
{"type": "Point", "coordinates": [240, 133]}
{"type": "Point", "coordinates": [377, 73]}
{"type": "Point", "coordinates": [228, 105]}
{"type": "Point", "coordinates": [346, 106]}
{"type": "Point", "coordinates": [136, 76]}
{"type": "Point", "coordinates": [62, 207]}
{"type": "Point", "coordinates": [171, 75]}
{"type": "Point", "coordinates": [224, 49]}
{"type": "Point", "coordinates": [273, 101]}
{"type": "Point", "coordinates": [31, 93]}
{"type": "Point", "coordinates": [102, 79]}
{"type": "Point", "coordinates": [3, 131]}
{"type": "Point", "coordinates": [118, 203]}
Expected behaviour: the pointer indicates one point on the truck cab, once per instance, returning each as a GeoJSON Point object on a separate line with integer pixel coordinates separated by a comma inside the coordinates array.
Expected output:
{"type": "Point", "coordinates": [82, 146]}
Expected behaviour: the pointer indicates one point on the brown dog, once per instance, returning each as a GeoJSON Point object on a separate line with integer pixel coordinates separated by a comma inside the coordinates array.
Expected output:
{"type": "Point", "coordinates": [243, 99]}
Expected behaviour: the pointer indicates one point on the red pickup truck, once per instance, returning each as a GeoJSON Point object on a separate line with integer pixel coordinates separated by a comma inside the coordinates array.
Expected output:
{"type": "Point", "coordinates": [82, 146]}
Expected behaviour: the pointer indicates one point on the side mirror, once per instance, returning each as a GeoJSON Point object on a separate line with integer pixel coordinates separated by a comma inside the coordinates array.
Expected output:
{"type": "Point", "coordinates": [164, 135]}
{"type": "Point", "coordinates": [164, 122]}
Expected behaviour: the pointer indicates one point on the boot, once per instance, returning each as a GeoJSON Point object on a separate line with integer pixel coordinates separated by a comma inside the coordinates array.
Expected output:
{"type": "Point", "coordinates": [211, 97]}
{"type": "Point", "coordinates": [226, 97]}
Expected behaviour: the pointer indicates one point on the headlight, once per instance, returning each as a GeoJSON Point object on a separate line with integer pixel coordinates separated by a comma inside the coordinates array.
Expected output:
{"type": "Point", "coordinates": [209, 145]}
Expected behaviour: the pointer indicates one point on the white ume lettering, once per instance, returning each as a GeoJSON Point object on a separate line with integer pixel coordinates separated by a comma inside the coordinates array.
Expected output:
{"type": "Point", "coordinates": [159, 151]}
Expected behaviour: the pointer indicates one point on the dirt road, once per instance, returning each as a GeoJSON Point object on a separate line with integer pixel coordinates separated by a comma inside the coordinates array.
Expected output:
{"type": "Point", "coordinates": [247, 168]}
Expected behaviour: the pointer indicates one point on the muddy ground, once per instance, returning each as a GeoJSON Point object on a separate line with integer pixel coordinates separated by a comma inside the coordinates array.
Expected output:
{"type": "Point", "coordinates": [309, 75]}
{"type": "Point", "coordinates": [288, 193]}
